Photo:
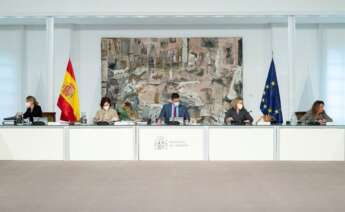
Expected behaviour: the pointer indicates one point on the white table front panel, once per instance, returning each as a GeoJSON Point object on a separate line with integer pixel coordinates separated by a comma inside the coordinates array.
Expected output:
{"type": "Point", "coordinates": [171, 143]}
{"type": "Point", "coordinates": [318, 144]}
{"type": "Point", "coordinates": [241, 143]}
{"type": "Point", "coordinates": [31, 143]}
{"type": "Point", "coordinates": [102, 143]}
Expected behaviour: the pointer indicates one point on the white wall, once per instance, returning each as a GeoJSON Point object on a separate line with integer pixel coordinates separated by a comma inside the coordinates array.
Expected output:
{"type": "Point", "coordinates": [27, 44]}
{"type": "Point", "coordinates": [86, 56]}
{"type": "Point", "coordinates": [333, 69]}
{"type": "Point", "coordinates": [307, 71]}
{"type": "Point", "coordinates": [257, 53]}
{"type": "Point", "coordinates": [35, 64]}
{"type": "Point", "coordinates": [82, 44]}
{"type": "Point", "coordinates": [11, 67]}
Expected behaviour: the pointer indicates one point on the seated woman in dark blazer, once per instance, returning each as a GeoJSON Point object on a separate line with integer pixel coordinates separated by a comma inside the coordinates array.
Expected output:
{"type": "Point", "coordinates": [237, 114]}
{"type": "Point", "coordinates": [33, 109]}
{"type": "Point", "coordinates": [316, 115]}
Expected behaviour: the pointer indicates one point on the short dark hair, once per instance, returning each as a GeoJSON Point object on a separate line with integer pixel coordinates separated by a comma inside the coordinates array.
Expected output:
{"type": "Point", "coordinates": [104, 100]}
{"type": "Point", "coordinates": [175, 96]}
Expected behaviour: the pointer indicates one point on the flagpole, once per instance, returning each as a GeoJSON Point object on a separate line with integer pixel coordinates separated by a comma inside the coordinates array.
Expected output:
{"type": "Point", "coordinates": [272, 43]}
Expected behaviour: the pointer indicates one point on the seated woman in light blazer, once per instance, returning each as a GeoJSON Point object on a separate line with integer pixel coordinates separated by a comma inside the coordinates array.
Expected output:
{"type": "Point", "coordinates": [317, 114]}
{"type": "Point", "coordinates": [106, 113]}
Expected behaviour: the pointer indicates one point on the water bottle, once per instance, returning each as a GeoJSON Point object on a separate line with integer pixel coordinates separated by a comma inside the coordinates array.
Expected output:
{"type": "Point", "coordinates": [83, 118]}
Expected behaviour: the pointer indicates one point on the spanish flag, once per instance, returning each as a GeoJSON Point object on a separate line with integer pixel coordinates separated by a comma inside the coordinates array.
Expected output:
{"type": "Point", "coordinates": [68, 101]}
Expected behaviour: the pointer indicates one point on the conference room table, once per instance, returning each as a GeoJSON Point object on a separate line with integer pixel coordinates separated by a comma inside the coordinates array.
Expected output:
{"type": "Point", "coordinates": [194, 142]}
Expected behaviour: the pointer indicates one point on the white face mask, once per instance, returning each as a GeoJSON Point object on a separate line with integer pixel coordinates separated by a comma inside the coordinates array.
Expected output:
{"type": "Point", "coordinates": [239, 106]}
{"type": "Point", "coordinates": [106, 107]}
{"type": "Point", "coordinates": [177, 104]}
{"type": "Point", "coordinates": [27, 104]}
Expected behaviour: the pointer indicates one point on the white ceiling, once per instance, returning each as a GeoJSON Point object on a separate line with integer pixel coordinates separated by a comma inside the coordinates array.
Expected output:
{"type": "Point", "coordinates": [170, 20]}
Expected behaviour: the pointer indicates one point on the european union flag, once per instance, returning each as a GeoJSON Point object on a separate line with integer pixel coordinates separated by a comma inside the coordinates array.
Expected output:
{"type": "Point", "coordinates": [270, 102]}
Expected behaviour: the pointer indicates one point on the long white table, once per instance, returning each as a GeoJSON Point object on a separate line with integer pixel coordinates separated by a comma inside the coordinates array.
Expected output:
{"type": "Point", "coordinates": [317, 143]}
{"type": "Point", "coordinates": [32, 143]}
{"type": "Point", "coordinates": [311, 143]}
{"type": "Point", "coordinates": [172, 143]}
{"type": "Point", "coordinates": [242, 143]}
{"type": "Point", "coordinates": [101, 143]}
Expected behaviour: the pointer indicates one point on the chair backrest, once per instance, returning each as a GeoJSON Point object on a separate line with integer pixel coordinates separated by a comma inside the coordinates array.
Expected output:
{"type": "Point", "coordinates": [300, 114]}
{"type": "Point", "coordinates": [50, 116]}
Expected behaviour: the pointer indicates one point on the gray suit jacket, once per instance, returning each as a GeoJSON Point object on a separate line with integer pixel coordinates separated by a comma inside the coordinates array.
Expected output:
{"type": "Point", "coordinates": [309, 117]}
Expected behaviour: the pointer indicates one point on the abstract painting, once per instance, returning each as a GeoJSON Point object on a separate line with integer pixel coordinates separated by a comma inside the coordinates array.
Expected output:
{"type": "Point", "coordinates": [206, 72]}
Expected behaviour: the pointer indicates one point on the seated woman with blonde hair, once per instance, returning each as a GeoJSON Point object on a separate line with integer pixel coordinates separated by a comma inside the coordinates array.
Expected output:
{"type": "Point", "coordinates": [316, 115]}
{"type": "Point", "coordinates": [237, 114]}
{"type": "Point", "coordinates": [106, 114]}
{"type": "Point", "coordinates": [33, 108]}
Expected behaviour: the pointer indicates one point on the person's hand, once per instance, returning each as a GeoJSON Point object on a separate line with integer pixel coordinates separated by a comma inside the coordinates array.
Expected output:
{"type": "Point", "coordinates": [322, 121]}
{"type": "Point", "coordinates": [267, 118]}
{"type": "Point", "coordinates": [228, 120]}
{"type": "Point", "coordinates": [246, 122]}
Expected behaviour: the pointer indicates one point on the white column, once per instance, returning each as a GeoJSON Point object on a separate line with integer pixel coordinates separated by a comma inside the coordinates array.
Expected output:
{"type": "Point", "coordinates": [291, 68]}
{"type": "Point", "coordinates": [50, 67]}
{"type": "Point", "coordinates": [322, 65]}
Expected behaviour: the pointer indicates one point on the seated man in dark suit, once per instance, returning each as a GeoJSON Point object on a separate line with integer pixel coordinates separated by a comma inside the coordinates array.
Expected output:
{"type": "Point", "coordinates": [174, 110]}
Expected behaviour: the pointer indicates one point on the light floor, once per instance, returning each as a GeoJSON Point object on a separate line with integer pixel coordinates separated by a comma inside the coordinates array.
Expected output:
{"type": "Point", "coordinates": [57, 186]}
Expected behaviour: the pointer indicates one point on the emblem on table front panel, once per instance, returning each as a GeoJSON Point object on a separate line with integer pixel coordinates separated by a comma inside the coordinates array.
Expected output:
{"type": "Point", "coordinates": [161, 143]}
